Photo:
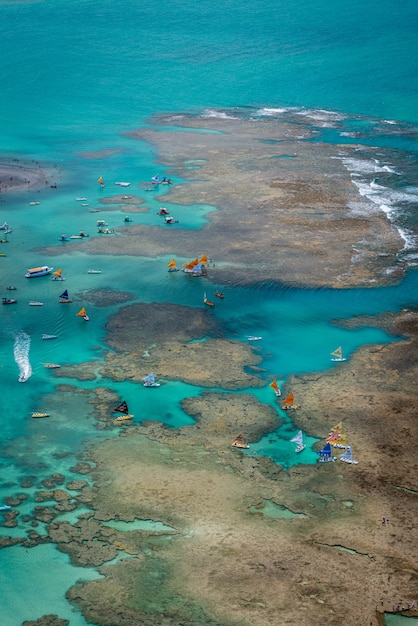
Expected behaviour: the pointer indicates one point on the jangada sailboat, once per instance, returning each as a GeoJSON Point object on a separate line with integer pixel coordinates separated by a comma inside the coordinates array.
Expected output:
{"type": "Point", "coordinates": [206, 301]}
{"type": "Point", "coordinates": [289, 403]}
{"type": "Point", "coordinates": [64, 297]}
{"type": "Point", "coordinates": [337, 355]}
{"type": "Point", "coordinates": [83, 313]}
{"type": "Point", "coordinates": [347, 456]}
{"type": "Point", "coordinates": [149, 381]}
{"type": "Point", "coordinates": [172, 266]}
{"type": "Point", "coordinates": [123, 409]}
{"type": "Point", "coordinates": [239, 442]}
{"type": "Point", "coordinates": [58, 275]}
{"type": "Point", "coordinates": [275, 386]}
{"type": "Point", "coordinates": [325, 455]}
{"type": "Point", "coordinates": [298, 439]}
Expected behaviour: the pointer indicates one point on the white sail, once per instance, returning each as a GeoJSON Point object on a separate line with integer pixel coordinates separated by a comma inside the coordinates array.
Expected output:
{"type": "Point", "coordinates": [337, 355]}
{"type": "Point", "coordinates": [149, 381]}
{"type": "Point", "coordinates": [298, 438]}
{"type": "Point", "coordinates": [347, 456]}
{"type": "Point", "coordinates": [150, 378]}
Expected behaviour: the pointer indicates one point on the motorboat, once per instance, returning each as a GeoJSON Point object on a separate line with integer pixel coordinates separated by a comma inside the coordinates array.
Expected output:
{"type": "Point", "coordinates": [35, 272]}
{"type": "Point", "coordinates": [9, 300]}
{"type": "Point", "coordinates": [35, 303]}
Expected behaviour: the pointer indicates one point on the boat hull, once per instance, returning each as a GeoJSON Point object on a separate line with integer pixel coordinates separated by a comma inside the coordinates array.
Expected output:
{"type": "Point", "coordinates": [36, 272]}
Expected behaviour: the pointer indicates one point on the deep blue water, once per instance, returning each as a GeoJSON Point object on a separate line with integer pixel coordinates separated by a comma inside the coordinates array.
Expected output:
{"type": "Point", "coordinates": [75, 78]}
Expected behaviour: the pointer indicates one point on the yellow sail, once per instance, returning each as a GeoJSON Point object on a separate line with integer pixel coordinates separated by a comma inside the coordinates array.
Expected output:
{"type": "Point", "coordinates": [58, 273]}
{"type": "Point", "coordinates": [340, 442]}
{"type": "Point", "coordinates": [172, 263]}
{"type": "Point", "coordinates": [338, 427]}
{"type": "Point", "coordinates": [100, 180]}
{"type": "Point", "coordinates": [82, 313]}
{"type": "Point", "coordinates": [338, 353]}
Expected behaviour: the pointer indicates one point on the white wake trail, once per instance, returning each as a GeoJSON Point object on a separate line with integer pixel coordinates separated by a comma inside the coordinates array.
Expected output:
{"type": "Point", "coordinates": [21, 356]}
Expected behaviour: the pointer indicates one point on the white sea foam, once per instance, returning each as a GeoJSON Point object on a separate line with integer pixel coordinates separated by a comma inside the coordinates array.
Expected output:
{"type": "Point", "coordinates": [379, 197]}
{"type": "Point", "coordinates": [222, 115]}
{"type": "Point", "coordinates": [21, 356]}
{"type": "Point", "coordinates": [366, 166]}
{"type": "Point", "coordinates": [323, 118]}
{"type": "Point", "coordinates": [271, 112]}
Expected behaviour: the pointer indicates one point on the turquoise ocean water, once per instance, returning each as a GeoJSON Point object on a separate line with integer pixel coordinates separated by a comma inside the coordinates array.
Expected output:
{"type": "Point", "coordinates": [76, 77]}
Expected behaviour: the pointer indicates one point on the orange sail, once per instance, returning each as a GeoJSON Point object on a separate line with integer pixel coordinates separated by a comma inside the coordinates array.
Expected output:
{"type": "Point", "coordinates": [100, 180]}
{"type": "Point", "coordinates": [275, 386]}
{"type": "Point", "coordinates": [172, 263]}
{"type": "Point", "coordinates": [58, 273]}
{"type": "Point", "coordinates": [290, 399]}
{"type": "Point", "coordinates": [204, 259]}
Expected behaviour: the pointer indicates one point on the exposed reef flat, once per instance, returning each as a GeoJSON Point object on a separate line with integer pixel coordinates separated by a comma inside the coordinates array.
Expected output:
{"type": "Point", "coordinates": [287, 205]}
{"type": "Point", "coordinates": [228, 560]}
{"type": "Point", "coordinates": [167, 341]}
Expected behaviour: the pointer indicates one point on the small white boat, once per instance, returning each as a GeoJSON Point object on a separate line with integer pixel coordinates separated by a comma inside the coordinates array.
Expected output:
{"type": "Point", "coordinates": [94, 271]}
{"type": "Point", "coordinates": [149, 381]}
{"type": "Point", "coordinates": [5, 507]}
{"type": "Point", "coordinates": [35, 272]}
{"type": "Point", "coordinates": [347, 456]}
{"type": "Point", "coordinates": [49, 336]}
{"type": "Point", "coordinates": [123, 184]}
{"type": "Point", "coordinates": [337, 355]}
{"type": "Point", "coordinates": [276, 388]}
{"type": "Point", "coordinates": [51, 366]}
{"type": "Point", "coordinates": [253, 338]}
{"type": "Point", "coordinates": [298, 439]}
{"type": "Point", "coordinates": [81, 199]}
{"type": "Point", "coordinates": [34, 303]}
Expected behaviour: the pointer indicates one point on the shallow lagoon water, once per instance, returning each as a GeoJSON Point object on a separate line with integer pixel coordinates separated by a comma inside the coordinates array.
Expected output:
{"type": "Point", "coordinates": [71, 101]}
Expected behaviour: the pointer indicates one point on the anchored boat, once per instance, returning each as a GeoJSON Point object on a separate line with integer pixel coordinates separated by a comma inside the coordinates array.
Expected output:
{"type": "Point", "coordinates": [337, 355]}
{"type": "Point", "coordinates": [149, 381]}
{"type": "Point", "coordinates": [275, 386]}
{"type": "Point", "coordinates": [172, 266]}
{"type": "Point", "coordinates": [123, 408]}
{"type": "Point", "coordinates": [206, 301]}
{"type": "Point", "coordinates": [35, 272]}
{"type": "Point", "coordinates": [298, 439]}
{"type": "Point", "coordinates": [289, 403]}
{"type": "Point", "coordinates": [239, 442]}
